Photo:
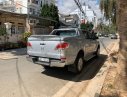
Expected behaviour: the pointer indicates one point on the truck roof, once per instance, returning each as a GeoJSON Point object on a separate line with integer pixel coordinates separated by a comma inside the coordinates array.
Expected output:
{"type": "Point", "coordinates": [66, 29]}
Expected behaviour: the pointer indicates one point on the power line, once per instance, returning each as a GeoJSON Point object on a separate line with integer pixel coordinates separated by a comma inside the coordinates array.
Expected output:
{"type": "Point", "coordinates": [80, 7]}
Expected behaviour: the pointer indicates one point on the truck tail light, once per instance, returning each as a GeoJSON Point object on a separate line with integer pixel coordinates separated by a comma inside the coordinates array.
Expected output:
{"type": "Point", "coordinates": [63, 59]}
{"type": "Point", "coordinates": [29, 44]}
{"type": "Point", "coordinates": [63, 45]}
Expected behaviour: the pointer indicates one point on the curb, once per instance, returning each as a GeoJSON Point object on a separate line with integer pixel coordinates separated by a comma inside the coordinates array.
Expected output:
{"type": "Point", "coordinates": [83, 88]}
{"type": "Point", "coordinates": [96, 84]}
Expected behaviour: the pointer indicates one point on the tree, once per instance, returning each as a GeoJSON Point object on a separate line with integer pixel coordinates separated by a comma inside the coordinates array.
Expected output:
{"type": "Point", "coordinates": [50, 11]}
{"type": "Point", "coordinates": [87, 27]}
{"type": "Point", "coordinates": [45, 10]}
{"type": "Point", "coordinates": [108, 7]}
{"type": "Point", "coordinates": [121, 17]}
{"type": "Point", "coordinates": [122, 29]}
{"type": "Point", "coordinates": [2, 31]}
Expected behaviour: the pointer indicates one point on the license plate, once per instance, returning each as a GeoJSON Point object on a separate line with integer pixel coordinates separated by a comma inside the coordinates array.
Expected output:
{"type": "Point", "coordinates": [44, 59]}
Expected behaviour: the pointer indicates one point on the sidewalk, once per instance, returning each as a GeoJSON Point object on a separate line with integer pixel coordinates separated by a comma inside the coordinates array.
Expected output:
{"type": "Point", "coordinates": [95, 87]}
{"type": "Point", "coordinates": [115, 84]}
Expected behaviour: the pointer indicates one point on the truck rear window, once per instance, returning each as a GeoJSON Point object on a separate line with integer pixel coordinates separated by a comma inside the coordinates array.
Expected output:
{"type": "Point", "coordinates": [64, 32]}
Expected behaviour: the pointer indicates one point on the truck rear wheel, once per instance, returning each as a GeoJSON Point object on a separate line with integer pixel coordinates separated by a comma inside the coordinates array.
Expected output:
{"type": "Point", "coordinates": [46, 67]}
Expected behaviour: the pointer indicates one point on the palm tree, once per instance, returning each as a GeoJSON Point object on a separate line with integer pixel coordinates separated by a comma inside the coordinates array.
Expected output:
{"type": "Point", "coordinates": [122, 29]}
{"type": "Point", "coordinates": [107, 6]}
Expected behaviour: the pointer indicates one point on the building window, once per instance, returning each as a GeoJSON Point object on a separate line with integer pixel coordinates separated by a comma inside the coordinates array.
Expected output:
{"type": "Point", "coordinates": [21, 29]}
{"type": "Point", "coordinates": [13, 29]}
{"type": "Point", "coordinates": [46, 2]}
{"type": "Point", "coordinates": [20, 23]}
{"type": "Point", "coordinates": [41, 3]}
{"type": "Point", "coordinates": [31, 10]}
{"type": "Point", "coordinates": [36, 2]}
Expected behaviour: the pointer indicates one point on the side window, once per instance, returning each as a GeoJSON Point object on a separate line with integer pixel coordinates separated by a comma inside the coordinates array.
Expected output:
{"type": "Point", "coordinates": [80, 32]}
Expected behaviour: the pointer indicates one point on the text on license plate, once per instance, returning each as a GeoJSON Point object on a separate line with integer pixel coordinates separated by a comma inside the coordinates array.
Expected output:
{"type": "Point", "coordinates": [44, 59]}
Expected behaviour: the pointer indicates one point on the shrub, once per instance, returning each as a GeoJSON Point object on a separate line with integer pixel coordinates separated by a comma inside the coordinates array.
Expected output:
{"type": "Point", "coordinates": [26, 35]}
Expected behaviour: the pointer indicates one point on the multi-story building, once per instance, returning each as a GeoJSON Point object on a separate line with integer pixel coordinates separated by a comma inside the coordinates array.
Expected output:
{"type": "Point", "coordinates": [89, 15]}
{"type": "Point", "coordinates": [25, 6]}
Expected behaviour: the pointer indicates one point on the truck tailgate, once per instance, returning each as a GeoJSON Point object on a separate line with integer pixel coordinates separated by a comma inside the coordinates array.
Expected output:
{"type": "Point", "coordinates": [44, 46]}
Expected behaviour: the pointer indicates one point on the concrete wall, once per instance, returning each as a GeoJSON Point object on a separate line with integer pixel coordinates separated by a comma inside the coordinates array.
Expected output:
{"type": "Point", "coordinates": [11, 38]}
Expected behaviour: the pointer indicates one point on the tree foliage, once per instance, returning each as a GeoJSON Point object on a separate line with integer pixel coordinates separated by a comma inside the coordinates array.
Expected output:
{"type": "Point", "coordinates": [108, 7]}
{"type": "Point", "coordinates": [2, 31]}
{"type": "Point", "coordinates": [87, 27]}
{"type": "Point", "coordinates": [50, 11]}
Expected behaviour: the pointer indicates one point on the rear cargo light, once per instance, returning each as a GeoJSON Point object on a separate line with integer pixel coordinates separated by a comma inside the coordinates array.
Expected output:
{"type": "Point", "coordinates": [29, 44]}
{"type": "Point", "coordinates": [63, 45]}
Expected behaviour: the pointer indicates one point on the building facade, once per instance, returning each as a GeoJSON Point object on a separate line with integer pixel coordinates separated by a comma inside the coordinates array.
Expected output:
{"type": "Point", "coordinates": [90, 15]}
{"type": "Point", "coordinates": [31, 7]}
{"type": "Point", "coordinates": [17, 28]}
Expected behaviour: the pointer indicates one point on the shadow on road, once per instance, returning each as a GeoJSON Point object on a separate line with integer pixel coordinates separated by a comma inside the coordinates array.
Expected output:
{"type": "Point", "coordinates": [16, 52]}
{"type": "Point", "coordinates": [90, 70]}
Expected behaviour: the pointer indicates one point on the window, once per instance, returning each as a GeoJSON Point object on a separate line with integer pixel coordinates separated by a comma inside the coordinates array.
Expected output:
{"type": "Point", "coordinates": [20, 23]}
{"type": "Point", "coordinates": [36, 2]}
{"type": "Point", "coordinates": [64, 32]}
{"type": "Point", "coordinates": [21, 29]}
{"type": "Point", "coordinates": [13, 29]}
{"type": "Point", "coordinates": [30, 9]}
{"type": "Point", "coordinates": [41, 3]}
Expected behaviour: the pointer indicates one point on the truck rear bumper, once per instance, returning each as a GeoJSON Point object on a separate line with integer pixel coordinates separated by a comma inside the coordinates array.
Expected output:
{"type": "Point", "coordinates": [53, 62]}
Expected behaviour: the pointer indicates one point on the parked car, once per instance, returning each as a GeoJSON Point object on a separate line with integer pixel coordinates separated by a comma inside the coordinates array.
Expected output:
{"type": "Point", "coordinates": [63, 47]}
{"type": "Point", "coordinates": [106, 35]}
{"type": "Point", "coordinates": [99, 35]}
{"type": "Point", "coordinates": [114, 36]}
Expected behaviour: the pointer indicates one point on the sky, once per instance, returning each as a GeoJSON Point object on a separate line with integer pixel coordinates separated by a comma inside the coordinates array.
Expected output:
{"type": "Point", "coordinates": [67, 6]}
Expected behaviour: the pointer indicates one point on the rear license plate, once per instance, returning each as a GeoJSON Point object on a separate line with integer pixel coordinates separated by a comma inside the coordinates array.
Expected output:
{"type": "Point", "coordinates": [44, 59]}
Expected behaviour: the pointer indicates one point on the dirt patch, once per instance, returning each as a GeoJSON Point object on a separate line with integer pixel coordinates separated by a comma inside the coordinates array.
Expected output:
{"type": "Point", "coordinates": [109, 89]}
{"type": "Point", "coordinates": [115, 84]}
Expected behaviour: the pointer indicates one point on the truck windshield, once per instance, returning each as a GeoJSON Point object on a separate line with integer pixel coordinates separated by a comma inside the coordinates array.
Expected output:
{"type": "Point", "coordinates": [64, 32]}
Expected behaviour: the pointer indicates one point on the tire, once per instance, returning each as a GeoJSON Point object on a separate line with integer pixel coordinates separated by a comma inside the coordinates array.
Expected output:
{"type": "Point", "coordinates": [46, 67]}
{"type": "Point", "coordinates": [97, 54]}
{"type": "Point", "coordinates": [79, 64]}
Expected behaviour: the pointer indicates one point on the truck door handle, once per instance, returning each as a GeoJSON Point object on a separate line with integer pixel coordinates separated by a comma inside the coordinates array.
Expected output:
{"type": "Point", "coordinates": [42, 44]}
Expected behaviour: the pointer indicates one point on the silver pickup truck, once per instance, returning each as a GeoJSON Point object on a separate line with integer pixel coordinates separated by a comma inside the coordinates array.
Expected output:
{"type": "Point", "coordinates": [63, 47]}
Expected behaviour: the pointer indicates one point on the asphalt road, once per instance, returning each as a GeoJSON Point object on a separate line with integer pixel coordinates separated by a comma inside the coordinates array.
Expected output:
{"type": "Point", "coordinates": [20, 78]}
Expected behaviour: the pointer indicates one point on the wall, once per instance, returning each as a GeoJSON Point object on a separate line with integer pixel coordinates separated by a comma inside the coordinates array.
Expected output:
{"type": "Point", "coordinates": [12, 38]}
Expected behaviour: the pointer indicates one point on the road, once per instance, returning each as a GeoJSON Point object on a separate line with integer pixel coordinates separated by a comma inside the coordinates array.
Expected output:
{"type": "Point", "coordinates": [20, 78]}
